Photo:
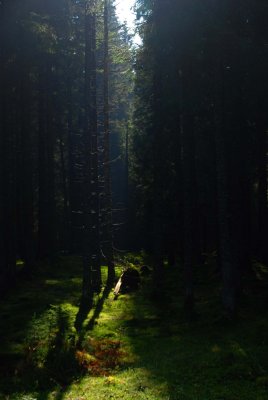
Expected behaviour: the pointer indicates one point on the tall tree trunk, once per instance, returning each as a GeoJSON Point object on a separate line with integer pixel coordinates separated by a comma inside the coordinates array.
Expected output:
{"type": "Point", "coordinates": [46, 193]}
{"type": "Point", "coordinates": [2, 133]}
{"type": "Point", "coordinates": [25, 173]}
{"type": "Point", "coordinates": [226, 257]}
{"type": "Point", "coordinates": [188, 162]}
{"type": "Point", "coordinates": [107, 220]}
{"type": "Point", "coordinates": [126, 191]}
{"type": "Point", "coordinates": [158, 160]}
{"type": "Point", "coordinates": [262, 133]}
{"type": "Point", "coordinates": [262, 151]}
{"type": "Point", "coordinates": [64, 190]}
{"type": "Point", "coordinates": [92, 271]}
{"type": "Point", "coordinates": [9, 180]}
{"type": "Point", "coordinates": [72, 194]}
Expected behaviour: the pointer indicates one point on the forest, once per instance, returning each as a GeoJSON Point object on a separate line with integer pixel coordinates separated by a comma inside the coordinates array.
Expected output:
{"type": "Point", "coordinates": [133, 200]}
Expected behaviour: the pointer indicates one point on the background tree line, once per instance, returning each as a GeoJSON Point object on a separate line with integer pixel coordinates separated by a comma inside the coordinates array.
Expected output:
{"type": "Point", "coordinates": [200, 138]}
{"type": "Point", "coordinates": [195, 150]}
{"type": "Point", "coordinates": [45, 101]}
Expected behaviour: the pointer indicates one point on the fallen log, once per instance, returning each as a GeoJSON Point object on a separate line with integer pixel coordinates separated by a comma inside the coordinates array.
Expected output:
{"type": "Point", "coordinates": [128, 281]}
{"type": "Point", "coordinates": [117, 287]}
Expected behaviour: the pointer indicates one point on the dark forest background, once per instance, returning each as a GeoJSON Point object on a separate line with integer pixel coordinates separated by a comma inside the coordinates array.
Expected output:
{"type": "Point", "coordinates": [133, 200]}
{"type": "Point", "coordinates": [162, 147]}
{"type": "Point", "coordinates": [54, 71]}
{"type": "Point", "coordinates": [200, 137]}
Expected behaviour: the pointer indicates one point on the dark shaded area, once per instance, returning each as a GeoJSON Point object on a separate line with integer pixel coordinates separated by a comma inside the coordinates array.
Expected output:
{"type": "Point", "coordinates": [30, 316]}
{"type": "Point", "coordinates": [53, 172]}
{"type": "Point", "coordinates": [198, 177]}
{"type": "Point", "coordinates": [208, 356]}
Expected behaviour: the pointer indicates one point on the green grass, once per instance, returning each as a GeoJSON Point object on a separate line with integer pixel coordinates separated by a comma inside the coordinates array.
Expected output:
{"type": "Point", "coordinates": [161, 355]}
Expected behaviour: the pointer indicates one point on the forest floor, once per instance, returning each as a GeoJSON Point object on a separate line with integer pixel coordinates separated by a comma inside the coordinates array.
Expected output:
{"type": "Point", "coordinates": [132, 347]}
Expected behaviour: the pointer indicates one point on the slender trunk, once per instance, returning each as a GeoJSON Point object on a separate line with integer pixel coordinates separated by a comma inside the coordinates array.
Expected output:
{"type": "Point", "coordinates": [158, 245]}
{"type": "Point", "coordinates": [126, 190]}
{"type": "Point", "coordinates": [64, 189]}
{"type": "Point", "coordinates": [262, 190]}
{"type": "Point", "coordinates": [8, 181]}
{"type": "Point", "coordinates": [2, 133]}
{"type": "Point", "coordinates": [225, 247]}
{"type": "Point", "coordinates": [262, 151]}
{"type": "Point", "coordinates": [108, 227]}
{"type": "Point", "coordinates": [25, 173]}
{"type": "Point", "coordinates": [92, 271]}
{"type": "Point", "coordinates": [187, 158]}
{"type": "Point", "coordinates": [158, 159]}
{"type": "Point", "coordinates": [71, 173]}
{"type": "Point", "coordinates": [46, 193]}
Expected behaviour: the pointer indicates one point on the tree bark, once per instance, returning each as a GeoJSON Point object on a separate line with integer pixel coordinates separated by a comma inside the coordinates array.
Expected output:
{"type": "Point", "coordinates": [92, 271]}
{"type": "Point", "coordinates": [107, 220]}
{"type": "Point", "coordinates": [46, 191]}
{"type": "Point", "coordinates": [228, 269]}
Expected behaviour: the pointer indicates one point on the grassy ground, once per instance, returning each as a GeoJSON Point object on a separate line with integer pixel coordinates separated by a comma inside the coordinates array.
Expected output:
{"type": "Point", "coordinates": [130, 348]}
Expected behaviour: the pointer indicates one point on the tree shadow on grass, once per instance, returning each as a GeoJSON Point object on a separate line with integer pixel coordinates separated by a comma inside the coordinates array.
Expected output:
{"type": "Point", "coordinates": [61, 358]}
{"type": "Point", "coordinates": [191, 359]}
{"type": "Point", "coordinates": [54, 372]}
{"type": "Point", "coordinates": [61, 361]}
{"type": "Point", "coordinates": [84, 309]}
{"type": "Point", "coordinates": [99, 307]}
{"type": "Point", "coordinates": [28, 322]}
{"type": "Point", "coordinates": [58, 284]}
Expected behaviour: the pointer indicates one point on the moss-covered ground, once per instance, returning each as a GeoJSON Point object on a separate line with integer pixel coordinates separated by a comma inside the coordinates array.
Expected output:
{"type": "Point", "coordinates": [131, 348]}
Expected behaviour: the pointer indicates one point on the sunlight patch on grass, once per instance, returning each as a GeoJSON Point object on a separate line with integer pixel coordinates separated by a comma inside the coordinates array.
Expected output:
{"type": "Point", "coordinates": [20, 263]}
{"type": "Point", "coordinates": [52, 282]}
{"type": "Point", "coordinates": [133, 383]}
{"type": "Point", "coordinates": [216, 349]}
